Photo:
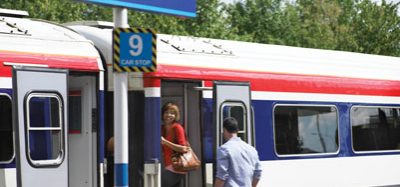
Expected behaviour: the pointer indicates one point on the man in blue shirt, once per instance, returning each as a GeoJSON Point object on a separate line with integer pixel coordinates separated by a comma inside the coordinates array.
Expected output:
{"type": "Point", "coordinates": [238, 164]}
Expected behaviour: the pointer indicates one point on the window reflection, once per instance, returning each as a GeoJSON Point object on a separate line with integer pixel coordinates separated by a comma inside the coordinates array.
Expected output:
{"type": "Point", "coordinates": [375, 128]}
{"type": "Point", "coordinates": [237, 111]}
{"type": "Point", "coordinates": [305, 129]}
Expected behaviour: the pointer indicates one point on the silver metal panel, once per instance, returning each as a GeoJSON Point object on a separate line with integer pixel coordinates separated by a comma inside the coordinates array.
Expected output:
{"type": "Point", "coordinates": [231, 92]}
{"type": "Point", "coordinates": [193, 130]}
{"type": "Point", "coordinates": [26, 80]}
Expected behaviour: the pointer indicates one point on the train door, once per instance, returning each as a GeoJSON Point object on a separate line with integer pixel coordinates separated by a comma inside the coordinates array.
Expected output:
{"type": "Point", "coordinates": [232, 99]}
{"type": "Point", "coordinates": [40, 118]}
{"type": "Point", "coordinates": [82, 131]}
{"type": "Point", "coordinates": [188, 100]}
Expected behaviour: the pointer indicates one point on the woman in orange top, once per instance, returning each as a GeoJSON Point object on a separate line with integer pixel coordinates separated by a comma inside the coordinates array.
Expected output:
{"type": "Point", "coordinates": [172, 140]}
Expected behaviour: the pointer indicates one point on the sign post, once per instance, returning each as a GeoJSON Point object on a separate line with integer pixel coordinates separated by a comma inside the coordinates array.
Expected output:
{"type": "Point", "coordinates": [134, 50]}
{"type": "Point", "coordinates": [121, 145]}
{"type": "Point", "coordinates": [132, 53]}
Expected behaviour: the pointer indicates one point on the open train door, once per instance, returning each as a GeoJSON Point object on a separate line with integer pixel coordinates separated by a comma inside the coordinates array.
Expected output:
{"type": "Point", "coordinates": [232, 99]}
{"type": "Point", "coordinates": [40, 118]}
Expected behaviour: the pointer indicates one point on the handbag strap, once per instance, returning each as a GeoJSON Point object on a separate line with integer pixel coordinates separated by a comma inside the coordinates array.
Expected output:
{"type": "Point", "coordinates": [175, 138]}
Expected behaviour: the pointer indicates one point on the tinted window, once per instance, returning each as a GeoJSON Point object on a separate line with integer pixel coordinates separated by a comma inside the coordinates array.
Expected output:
{"type": "Point", "coordinates": [75, 112]}
{"type": "Point", "coordinates": [6, 131]}
{"type": "Point", "coordinates": [237, 111]}
{"type": "Point", "coordinates": [375, 128]}
{"type": "Point", "coordinates": [44, 124]}
{"type": "Point", "coordinates": [305, 129]}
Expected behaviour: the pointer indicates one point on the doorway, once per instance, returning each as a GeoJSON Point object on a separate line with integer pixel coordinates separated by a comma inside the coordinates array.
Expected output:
{"type": "Point", "coordinates": [187, 98]}
{"type": "Point", "coordinates": [82, 131]}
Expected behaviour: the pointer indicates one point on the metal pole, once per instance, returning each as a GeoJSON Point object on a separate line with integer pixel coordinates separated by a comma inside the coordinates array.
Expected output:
{"type": "Point", "coordinates": [121, 113]}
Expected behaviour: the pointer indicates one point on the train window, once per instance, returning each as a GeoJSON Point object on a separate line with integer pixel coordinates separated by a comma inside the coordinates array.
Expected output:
{"type": "Point", "coordinates": [375, 128]}
{"type": "Point", "coordinates": [237, 111]}
{"type": "Point", "coordinates": [75, 112]}
{"type": "Point", "coordinates": [6, 131]}
{"type": "Point", "coordinates": [44, 122]}
{"type": "Point", "coordinates": [303, 129]}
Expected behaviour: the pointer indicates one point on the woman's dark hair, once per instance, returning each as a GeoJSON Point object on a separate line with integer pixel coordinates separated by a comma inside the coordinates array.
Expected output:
{"type": "Point", "coordinates": [173, 107]}
{"type": "Point", "coordinates": [231, 125]}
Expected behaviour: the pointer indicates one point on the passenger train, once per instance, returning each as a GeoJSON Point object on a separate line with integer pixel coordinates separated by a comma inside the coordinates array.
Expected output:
{"type": "Point", "coordinates": [316, 117]}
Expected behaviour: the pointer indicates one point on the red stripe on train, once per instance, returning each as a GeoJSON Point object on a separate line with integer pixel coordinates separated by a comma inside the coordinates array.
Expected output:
{"type": "Point", "coordinates": [78, 63]}
{"type": "Point", "coordinates": [264, 81]}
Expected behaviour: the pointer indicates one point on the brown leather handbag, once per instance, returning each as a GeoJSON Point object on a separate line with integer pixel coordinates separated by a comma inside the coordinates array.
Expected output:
{"type": "Point", "coordinates": [185, 162]}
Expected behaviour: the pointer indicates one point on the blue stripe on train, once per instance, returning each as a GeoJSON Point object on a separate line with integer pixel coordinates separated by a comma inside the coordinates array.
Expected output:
{"type": "Point", "coordinates": [208, 131]}
{"type": "Point", "coordinates": [263, 111]}
{"type": "Point", "coordinates": [6, 91]}
{"type": "Point", "coordinates": [101, 127]}
{"type": "Point", "coordinates": [10, 165]}
{"type": "Point", "coordinates": [152, 132]}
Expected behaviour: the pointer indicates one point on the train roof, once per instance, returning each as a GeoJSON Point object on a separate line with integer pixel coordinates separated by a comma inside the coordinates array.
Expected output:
{"type": "Point", "coordinates": [178, 54]}
{"type": "Point", "coordinates": [42, 43]}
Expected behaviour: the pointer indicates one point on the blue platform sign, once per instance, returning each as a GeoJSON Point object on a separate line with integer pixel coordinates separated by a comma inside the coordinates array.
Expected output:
{"type": "Point", "coordinates": [186, 8]}
{"type": "Point", "coordinates": [134, 50]}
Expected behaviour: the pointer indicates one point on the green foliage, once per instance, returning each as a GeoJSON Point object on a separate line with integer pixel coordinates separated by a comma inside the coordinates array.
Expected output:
{"type": "Point", "coordinates": [257, 20]}
{"type": "Point", "coordinates": [317, 19]}
{"type": "Point", "coordinates": [348, 25]}
{"type": "Point", "coordinates": [209, 21]}
{"type": "Point", "coordinates": [376, 28]}
{"type": "Point", "coordinates": [160, 23]}
{"type": "Point", "coordinates": [60, 11]}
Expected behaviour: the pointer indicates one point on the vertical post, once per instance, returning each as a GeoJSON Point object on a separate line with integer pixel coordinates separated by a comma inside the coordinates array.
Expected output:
{"type": "Point", "coordinates": [120, 16]}
{"type": "Point", "coordinates": [152, 166]}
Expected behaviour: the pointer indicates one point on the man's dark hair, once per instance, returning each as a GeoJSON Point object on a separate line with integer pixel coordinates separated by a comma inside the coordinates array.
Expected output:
{"type": "Point", "coordinates": [231, 125]}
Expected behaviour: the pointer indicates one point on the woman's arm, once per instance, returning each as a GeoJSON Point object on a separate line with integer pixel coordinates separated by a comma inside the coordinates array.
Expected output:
{"type": "Point", "coordinates": [175, 147]}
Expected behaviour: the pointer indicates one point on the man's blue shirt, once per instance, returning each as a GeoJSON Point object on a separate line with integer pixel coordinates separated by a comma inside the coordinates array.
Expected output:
{"type": "Point", "coordinates": [238, 163]}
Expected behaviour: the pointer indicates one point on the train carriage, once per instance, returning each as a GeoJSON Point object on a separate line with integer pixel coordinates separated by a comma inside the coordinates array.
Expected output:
{"type": "Point", "coordinates": [316, 117]}
{"type": "Point", "coordinates": [51, 90]}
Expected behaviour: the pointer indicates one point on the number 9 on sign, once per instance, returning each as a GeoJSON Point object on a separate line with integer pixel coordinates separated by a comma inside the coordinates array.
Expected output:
{"type": "Point", "coordinates": [136, 45]}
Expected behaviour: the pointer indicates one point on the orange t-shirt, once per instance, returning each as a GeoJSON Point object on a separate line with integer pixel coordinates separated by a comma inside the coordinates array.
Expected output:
{"type": "Point", "coordinates": [179, 138]}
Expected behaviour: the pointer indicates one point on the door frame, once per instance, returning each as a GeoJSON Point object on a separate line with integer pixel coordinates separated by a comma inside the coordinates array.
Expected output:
{"type": "Point", "coordinates": [232, 92]}
{"type": "Point", "coordinates": [183, 93]}
{"type": "Point", "coordinates": [87, 139]}
{"type": "Point", "coordinates": [40, 84]}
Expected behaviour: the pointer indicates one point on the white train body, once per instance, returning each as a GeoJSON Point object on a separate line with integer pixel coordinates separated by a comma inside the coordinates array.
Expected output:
{"type": "Point", "coordinates": [50, 85]}
{"type": "Point", "coordinates": [316, 117]}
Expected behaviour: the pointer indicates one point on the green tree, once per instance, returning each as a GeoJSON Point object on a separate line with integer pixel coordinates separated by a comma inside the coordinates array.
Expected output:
{"type": "Point", "coordinates": [257, 20]}
{"type": "Point", "coordinates": [59, 11]}
{"type": "Point", "coordinates": [317, 20]}
{"type": "Point", "coordinates": [209, 22]}
{"type": "Point", "coordinates": [343, 30]}
{"type": "Point", "coordinates": [350, 25]}
{"type": "Point", "coordinates": [376, 28]}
